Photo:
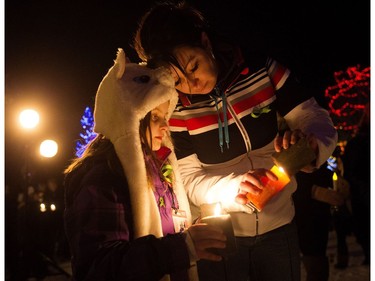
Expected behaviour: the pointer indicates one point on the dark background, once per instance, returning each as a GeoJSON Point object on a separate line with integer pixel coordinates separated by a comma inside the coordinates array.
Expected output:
{"type": "Point", "coordinates": [56, 53]}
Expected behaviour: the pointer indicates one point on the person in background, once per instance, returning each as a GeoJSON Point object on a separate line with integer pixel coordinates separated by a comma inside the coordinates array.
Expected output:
{"type": "Point", "coordinates": [313, 220]}
{"type": "Point", "coordinates": [357, 165]}
{"type": "Point", "coordinates": [341, 213]}
{"type": "Point", "coordinates": [225, 130]}
{"type": "Point", "coordinates": [11, 249]}
{"type": "Point", "coordinates": [127, 216]}
{"type": "Point", "coordinates": [52, 223]}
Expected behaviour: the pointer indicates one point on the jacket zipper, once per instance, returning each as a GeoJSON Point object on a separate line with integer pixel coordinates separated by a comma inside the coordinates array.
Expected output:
{"type": "Point", "coordinates": [247, 141]}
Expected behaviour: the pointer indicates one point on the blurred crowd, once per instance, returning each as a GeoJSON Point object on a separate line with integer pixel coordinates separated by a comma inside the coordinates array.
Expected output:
{"type": "Point", "coordinates": [34, 231]}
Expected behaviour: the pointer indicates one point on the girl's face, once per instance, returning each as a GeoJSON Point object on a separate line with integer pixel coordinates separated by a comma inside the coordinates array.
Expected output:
{"type": "Point", "coordinates": [200, 70]}
{"type": "Point", "coordinates": [158, 126]}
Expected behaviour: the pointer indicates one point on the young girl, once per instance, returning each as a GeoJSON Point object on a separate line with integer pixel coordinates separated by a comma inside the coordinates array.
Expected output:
{"type": "Point", "coordinates": [127, 216]}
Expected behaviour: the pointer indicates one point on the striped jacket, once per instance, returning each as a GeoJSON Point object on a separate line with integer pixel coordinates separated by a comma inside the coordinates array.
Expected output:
{"type": "Point", "coordinates": [254, 100]}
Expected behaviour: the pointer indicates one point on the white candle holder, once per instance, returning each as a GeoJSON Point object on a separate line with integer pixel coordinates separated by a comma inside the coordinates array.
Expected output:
{"type": "Point", "coordinates": [212, 215]}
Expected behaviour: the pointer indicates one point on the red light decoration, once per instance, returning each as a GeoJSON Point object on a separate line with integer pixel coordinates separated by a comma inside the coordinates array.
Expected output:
{"type": "Point", "coordinates": [348, 98]}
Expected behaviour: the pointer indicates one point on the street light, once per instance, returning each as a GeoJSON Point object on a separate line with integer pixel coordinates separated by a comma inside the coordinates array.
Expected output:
{"type": "Point", "coordinates": [48, 148]}
{"type": "Point", "coordinates": [29, 118]}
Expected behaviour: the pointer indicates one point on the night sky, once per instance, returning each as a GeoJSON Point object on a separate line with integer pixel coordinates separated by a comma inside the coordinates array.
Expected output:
{"type": "Point", "coordinates": [56, 53]}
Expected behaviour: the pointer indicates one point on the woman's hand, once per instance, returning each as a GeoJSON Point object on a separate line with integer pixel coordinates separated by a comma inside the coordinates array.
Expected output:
{"type": "Point", "coordinates": [206, 236]}
{"type": "Point", "coordinates": [288, 138]}
{"type": "Point", "coordinates": [251, 183]}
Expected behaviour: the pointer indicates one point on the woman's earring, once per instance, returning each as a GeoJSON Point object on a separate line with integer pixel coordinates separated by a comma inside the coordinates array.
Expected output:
{"type": "Point", "coordinates": [212, 54]}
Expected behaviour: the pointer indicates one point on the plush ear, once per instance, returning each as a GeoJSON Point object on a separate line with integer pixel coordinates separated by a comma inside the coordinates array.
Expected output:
{"type": "Point", "coordinates": [120, 62]}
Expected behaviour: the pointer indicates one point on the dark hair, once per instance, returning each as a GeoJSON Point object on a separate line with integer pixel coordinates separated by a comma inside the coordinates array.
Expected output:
{"type": "Point", "coordinates": [144, 127]}
{"type": "Point", "coordinates": [100, 148]}
{"type": "Point", "coordinates": [165, 27]}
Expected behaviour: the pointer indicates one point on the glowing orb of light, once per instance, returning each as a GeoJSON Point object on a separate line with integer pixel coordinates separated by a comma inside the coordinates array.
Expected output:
{"type": "Point", "coordinates": [29, 118]}
{"type": "Point", "coordinates": [48, 148]}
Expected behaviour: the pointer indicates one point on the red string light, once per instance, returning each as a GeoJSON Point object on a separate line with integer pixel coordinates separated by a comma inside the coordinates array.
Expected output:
{"type": "Point", "coordinates": [348, 98]}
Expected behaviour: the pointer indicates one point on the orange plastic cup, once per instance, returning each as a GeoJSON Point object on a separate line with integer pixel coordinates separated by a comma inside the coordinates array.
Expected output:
{"type": "Point", "coordinates": [258, 201]}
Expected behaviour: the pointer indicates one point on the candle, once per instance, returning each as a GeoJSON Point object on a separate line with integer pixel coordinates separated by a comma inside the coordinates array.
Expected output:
{"type": "Point", "coordinates": [211, 214]}
{"type": "Point", "coordinates": [335, 183]}
{"type": "Point", "coordinates": [270, 188]}
{"type": "Point", "coordinates": [335, 208]}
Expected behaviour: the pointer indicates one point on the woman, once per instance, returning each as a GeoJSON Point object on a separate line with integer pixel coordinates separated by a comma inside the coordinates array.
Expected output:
{"type": "Point", "coordinates": [127, 216]}
{"type": "Point", "coordinates": [226, 126]}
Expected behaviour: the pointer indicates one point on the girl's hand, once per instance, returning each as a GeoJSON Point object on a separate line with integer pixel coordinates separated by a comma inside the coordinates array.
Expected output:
{"type": "Point", "coordinates": [206, 236]}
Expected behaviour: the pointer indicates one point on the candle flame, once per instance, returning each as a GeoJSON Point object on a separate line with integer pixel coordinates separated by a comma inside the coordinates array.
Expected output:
{"type": "Point", "coordinates": [217, 211]}
{"type": "Point", "coordinates": [334, 177]}
{"type": "Point", "coordinates": [281, 169]}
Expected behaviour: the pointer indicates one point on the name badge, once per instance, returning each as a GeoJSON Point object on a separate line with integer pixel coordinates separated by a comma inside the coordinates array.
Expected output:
{"type": "Point", "coordinates": [179, 220]}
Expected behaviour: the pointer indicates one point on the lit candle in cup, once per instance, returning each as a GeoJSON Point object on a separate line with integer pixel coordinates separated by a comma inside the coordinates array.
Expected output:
{"type": "Point", "coordinates": [335, 208]}
{"type": "Point", "coordinates": [287, 163]}
{"type": "Point", "coordinates": [270, 188]}
{"type": "Point", "coordinates": [212, 215]}
{"type": "Point", "coordinates": [334, 181]}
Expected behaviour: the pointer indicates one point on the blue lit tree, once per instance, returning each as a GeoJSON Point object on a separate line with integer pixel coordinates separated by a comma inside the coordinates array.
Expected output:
{"type": "Point", "coordinates": [87, 122]}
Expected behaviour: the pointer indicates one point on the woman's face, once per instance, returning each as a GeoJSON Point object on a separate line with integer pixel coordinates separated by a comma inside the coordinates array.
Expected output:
{"type": "Point", "coordinates": [158, 126]}
{"type": "Point", "coordinates": [200, 70]}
